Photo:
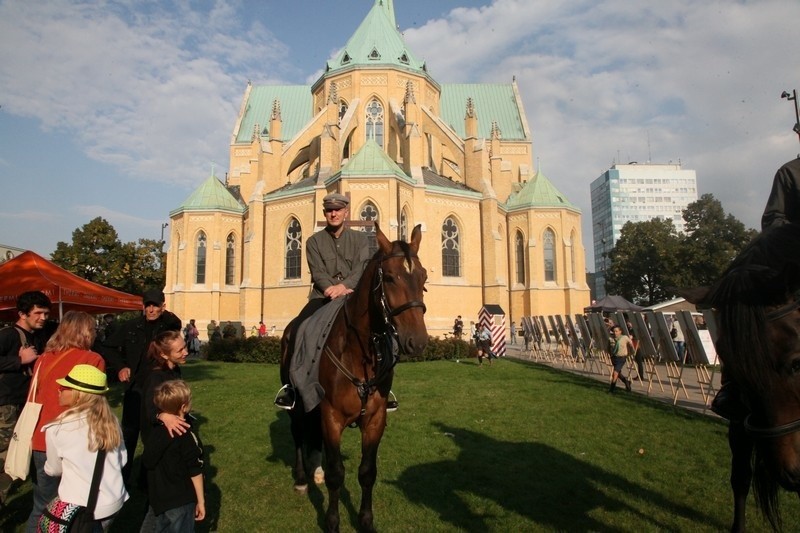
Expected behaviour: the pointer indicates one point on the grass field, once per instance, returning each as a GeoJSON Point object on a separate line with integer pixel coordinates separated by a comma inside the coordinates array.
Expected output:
{"type": "Point", "coordinates": [512, 447]}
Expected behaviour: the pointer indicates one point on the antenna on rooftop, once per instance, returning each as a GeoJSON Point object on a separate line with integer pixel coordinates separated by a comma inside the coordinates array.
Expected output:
{"type": "Point", "coordinates": [649, 155]}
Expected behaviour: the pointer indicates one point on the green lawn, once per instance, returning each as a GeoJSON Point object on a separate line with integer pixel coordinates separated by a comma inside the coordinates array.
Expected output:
{"type": "Point", "coordinates": [512, 447]}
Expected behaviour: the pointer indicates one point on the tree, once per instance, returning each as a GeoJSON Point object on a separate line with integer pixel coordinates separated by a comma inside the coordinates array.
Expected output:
{"type": "Point", "coordinates": [97, 254]}
{"type": "Point", "coordinates": [644, 262]}
{"type": "Point", "coordinates": [711, 241]}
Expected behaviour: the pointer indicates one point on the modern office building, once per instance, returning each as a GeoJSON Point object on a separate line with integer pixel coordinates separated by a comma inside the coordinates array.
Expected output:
{"type": "Point", "coordinates": [635, 193]}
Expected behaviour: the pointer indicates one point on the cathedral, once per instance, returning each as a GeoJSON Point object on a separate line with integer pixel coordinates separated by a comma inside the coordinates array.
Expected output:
{"type": "Point", "coordinates": [376, 126]}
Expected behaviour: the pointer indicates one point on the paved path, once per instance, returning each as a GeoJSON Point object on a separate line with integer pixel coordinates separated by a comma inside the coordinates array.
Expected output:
{"type": "Point", "coordinates": [692, 399]}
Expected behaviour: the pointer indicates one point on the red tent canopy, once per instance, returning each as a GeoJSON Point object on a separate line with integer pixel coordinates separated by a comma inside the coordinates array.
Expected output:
{"type": "Point", "coordinates": [68, 292]}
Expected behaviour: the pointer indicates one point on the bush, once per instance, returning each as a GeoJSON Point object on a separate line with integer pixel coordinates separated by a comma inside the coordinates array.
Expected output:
{"type": "Point", "coordinates": [249, 350]}
{"type": "Point", "coordinates": [268, 350]}
{"type": "Point", "coordinates": [438, 349]}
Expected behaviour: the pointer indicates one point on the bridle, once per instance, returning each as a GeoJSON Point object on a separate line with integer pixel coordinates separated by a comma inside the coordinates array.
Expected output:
{"type": "Point", "coordinates": [388, 312]}
{"type": "Point", "coordinates": [386, 344]}
{"type": "Point", "coordinates": [790, 427]}
{"type": "Point", "coordinates": [784, 310]}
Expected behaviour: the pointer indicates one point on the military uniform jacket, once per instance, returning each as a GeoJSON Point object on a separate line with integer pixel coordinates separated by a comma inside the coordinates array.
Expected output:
{"type": "Point", "coordinates": [333, 261]}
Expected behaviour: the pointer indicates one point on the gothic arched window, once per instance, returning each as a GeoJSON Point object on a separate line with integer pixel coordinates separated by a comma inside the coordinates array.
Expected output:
{"type": "Point", "coordinates": [230, 260]}
{"type": "Point", "coordinates": [200, 258]}
{"type": "Point", "coordinates": [519, 250]}
{"type": "Point", "coordinates": [294, 249]}
{"type": "Point", "coordinates": [451, 248]}
{"type": "Point", "coordinates": [549, 240]}
{"type": "Point", "coordinates": [375, 122]}
{"type": "Point", "coordinates": [369, 213]}
{"type": "Point", "coordinates": [403, 230]}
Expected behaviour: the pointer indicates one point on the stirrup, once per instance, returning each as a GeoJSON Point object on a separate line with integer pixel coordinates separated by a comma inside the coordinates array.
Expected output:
{"type": "Point", "coordinates": [391, 403]}
{"type": "Point", "coordinates": [289, 390]}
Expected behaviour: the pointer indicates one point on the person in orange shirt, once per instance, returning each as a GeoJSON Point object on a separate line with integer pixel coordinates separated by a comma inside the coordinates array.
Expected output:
{"type": "Point", "coordinates": [69, 346]}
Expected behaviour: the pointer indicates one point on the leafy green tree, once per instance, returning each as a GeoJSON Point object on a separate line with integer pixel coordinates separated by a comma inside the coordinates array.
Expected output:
{"type": "Point", "coordinates": [644, 262]}
{"type": "Point", "coordinates": [97, 254]}
{"type": "Point", "coordinates": [712, 239]}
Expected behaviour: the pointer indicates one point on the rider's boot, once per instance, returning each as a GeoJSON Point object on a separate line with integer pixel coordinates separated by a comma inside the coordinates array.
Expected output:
{"type": "Point", "coordinates": [285, 397]}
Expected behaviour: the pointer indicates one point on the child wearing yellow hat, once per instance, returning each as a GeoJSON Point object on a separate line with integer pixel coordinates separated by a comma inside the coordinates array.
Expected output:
{"type": "Point", "coordinates": [74, 440]}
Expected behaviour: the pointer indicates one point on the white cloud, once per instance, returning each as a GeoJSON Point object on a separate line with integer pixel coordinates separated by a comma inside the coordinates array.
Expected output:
{"type": "Point", "coordinates": [701, 79]}
{"type": "Point", "coordinates": [146, 90]}
{"type": "Point", "coordinates": [153, 88]}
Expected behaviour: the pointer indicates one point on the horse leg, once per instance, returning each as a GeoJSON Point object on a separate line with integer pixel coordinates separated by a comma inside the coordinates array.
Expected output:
{"type": "Point", "coordinates": [741, 446]}
{"type": "Point", "coordinates": [371, 435]}
{"type": "Point", "coordinates": [334, 472]}
{"type": "Point", "coordinates": [298, 422]}
{"type": "Point", "coordinates": [314, 445]}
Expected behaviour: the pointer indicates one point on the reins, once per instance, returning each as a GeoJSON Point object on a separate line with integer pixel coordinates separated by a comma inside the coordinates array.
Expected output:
{"type": "Point", "coordinates": [386, 344]}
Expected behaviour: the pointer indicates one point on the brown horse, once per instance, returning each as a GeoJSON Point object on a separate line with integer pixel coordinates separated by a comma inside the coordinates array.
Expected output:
{"type": "Point", "coordinates": [757, 307]}
{"type": "Point", "coordinates": [381, 318]}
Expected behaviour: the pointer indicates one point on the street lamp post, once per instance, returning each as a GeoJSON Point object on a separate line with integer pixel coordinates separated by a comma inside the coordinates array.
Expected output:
{"type": "Point", "coordinates": [163, 262]}
{"type": "Point", "coordinates": [793, 98]}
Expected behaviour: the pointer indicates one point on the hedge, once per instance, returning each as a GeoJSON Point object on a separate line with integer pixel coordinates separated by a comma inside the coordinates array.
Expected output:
{"type": "Point", "coordinates": [268, 350]}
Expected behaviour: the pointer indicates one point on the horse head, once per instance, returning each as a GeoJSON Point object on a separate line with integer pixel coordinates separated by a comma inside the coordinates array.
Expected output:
{"type": "Point", "coordinates": [757, 308]}
{"type": "Point", "coordinates": [400, 289]}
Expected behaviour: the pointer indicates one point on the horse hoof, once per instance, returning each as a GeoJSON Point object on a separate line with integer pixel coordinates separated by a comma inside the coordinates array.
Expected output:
{"type": "Point", "coordinates": [319, 476]}
{"type": "Point", "coordinates": [301, 489]}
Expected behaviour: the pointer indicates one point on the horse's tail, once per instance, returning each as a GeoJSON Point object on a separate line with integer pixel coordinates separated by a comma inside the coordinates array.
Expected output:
{"type": "Point", "coordinates": [765, 490]}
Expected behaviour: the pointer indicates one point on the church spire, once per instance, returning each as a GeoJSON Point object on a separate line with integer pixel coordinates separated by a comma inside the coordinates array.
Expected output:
{"type": "Point", "coordinates": [376, 41]}
{"type": "Point", "coordinates": [388, 6]}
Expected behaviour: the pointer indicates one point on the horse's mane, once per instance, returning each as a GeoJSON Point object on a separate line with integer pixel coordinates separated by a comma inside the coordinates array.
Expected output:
{"type": "Point", "coordinates": [764, 275]}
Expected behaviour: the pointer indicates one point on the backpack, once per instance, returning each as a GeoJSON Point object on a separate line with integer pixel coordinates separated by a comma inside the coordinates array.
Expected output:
{"type": "Point", "coordinates": [673, 332]}
{"type": "Point", "coordinates": [23, 340]}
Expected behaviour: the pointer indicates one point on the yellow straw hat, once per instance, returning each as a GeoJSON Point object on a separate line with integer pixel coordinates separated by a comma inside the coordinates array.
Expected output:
{"type": "Point", "coordinates": [85, 378]}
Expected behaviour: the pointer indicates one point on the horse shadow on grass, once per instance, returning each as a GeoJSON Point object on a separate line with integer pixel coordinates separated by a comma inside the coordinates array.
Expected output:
{"type": "Point", "coordinates": [282, 451]}
{"type": "Point", "coordinates": [553, 489]}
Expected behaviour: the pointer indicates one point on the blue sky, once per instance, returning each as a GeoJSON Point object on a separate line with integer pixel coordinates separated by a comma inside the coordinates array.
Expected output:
{"type": "Point", "coordinates": [117, 108]}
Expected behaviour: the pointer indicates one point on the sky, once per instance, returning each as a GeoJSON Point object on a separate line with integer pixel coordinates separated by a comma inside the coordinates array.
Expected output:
{"type": "Point", "coordinates": [121, 108]}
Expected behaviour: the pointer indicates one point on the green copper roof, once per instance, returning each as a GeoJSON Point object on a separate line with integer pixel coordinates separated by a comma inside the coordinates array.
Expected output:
{"type": "Point", "coordinates": [376, 42]}
{"type": "Point", "coordinates": [211, 195]}
{"type": "Point", "coordinates": [539, 192]}
{"type": "Point", "coordinates": [371, 160]}
{"type": "Point", "coordinates": [296, 107]}
{"type": "Point", "coordinates": [493, 103]}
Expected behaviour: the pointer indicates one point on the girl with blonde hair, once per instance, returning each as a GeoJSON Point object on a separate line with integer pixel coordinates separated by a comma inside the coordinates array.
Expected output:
{"type": "Point", "coordinates": [70, 345]}
{"type": "Point", "coordinates": [74, 439]}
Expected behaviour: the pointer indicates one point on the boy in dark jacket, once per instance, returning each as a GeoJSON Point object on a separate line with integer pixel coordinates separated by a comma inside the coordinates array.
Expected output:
{"type": "Point", "coordinates": [174, 466]}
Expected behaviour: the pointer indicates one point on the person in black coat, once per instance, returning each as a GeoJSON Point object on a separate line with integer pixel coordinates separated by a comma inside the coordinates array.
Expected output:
{"type": "Point", "coordinates": [783, 207]}
{"type": "Point", "coordinates": [126, 356]}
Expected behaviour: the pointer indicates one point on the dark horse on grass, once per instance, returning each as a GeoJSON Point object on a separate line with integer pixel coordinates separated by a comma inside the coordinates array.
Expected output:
{"type": "Point", "coordinates": [757, 309]}
{"type": "Point", "coordinates": [382, 318]}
